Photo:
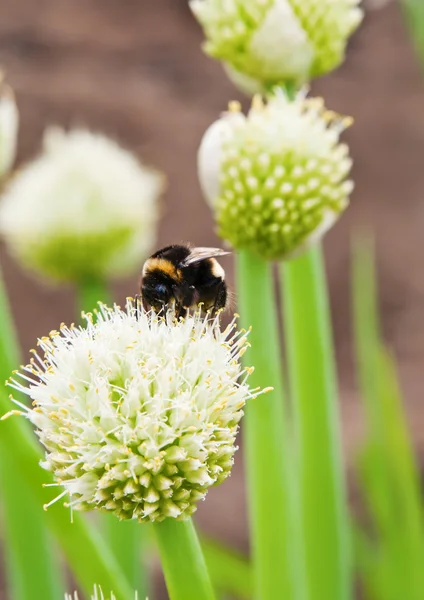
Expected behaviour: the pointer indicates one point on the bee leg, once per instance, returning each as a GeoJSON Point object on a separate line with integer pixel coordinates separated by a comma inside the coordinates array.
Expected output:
{"type": "Point", "coordinates": [220, 298]}
{"type": "Point", "coordinates": [140, 302]}
{"type": "Point", "coordinates": [185, 298]}
{"type": "Point", "coordinates": [180, 311]}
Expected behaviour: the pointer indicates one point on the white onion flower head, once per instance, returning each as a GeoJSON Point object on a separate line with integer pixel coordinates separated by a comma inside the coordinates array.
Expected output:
{"type": "Point", "coordinates": [277, 178]}
{"type": "Point", "coordinates": [138, 413]}
{"type": "Point", "coordinates": [84, 208]}
{"type": "Point", "coordinates": [276, 41]}
{"type": "Point", "coordinates": [97, 595]}
{"type": "Point", "coordinates": [9, 123]}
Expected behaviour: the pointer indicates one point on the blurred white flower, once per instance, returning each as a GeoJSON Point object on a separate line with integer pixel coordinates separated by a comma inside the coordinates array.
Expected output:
{"type": "Point", "coordinates": [276, 178]}
{"type": "Point", "coordinates": [138, 413]}
{"type": "Point", "coordinates": [271, 42]}
{"type": "Point", "coordinates": [9, 122]}
{"type": "Point", "coordinates": [85, 208]}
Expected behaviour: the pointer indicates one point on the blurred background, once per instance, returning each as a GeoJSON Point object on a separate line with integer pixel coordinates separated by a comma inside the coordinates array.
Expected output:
{"type": "Point", "coordinates": [134, 70]}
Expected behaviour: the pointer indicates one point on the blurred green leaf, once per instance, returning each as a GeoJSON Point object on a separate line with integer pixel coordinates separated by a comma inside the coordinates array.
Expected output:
{"type": "Point", "coordinates": [230, 571]}
{"type": "Point", "coordinates": [387, 469]}
{"type": "Point", "coordinates": [89, 557]}
{"type": "Point", "coordinates": [414, 14]}
{"type": "Point", "coordinates": [32, 569]}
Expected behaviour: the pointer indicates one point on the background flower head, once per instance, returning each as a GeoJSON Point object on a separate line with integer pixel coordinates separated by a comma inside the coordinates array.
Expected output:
{"type": "Point", "coordinates": [274, 41]}
{"type": "Point", "coordinates": [138, 414]}
{"type": "Point", "coordinates": [85, 208]}
{"type": "Point", "coordinates": [276, 178]}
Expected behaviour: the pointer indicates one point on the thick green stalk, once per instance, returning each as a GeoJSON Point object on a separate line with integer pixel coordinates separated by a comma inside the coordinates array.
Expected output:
{"type": "Point", "coordinates": [314, 399]}
{"type": "Point", "coordinates": [89, 293]}
{"type": "Point", "coordinates": [32, 570]}
{"type": "Point", "coordinates": [124, 537]}
{"type": "Point", "coordinates": [183, 564]}
{"type": "Point", "coordinates": [273, 544]}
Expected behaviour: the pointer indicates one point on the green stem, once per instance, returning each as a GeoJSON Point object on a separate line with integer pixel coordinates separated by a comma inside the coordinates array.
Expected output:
{"type": "Point", "coordinates": [182, 560]}
{"type": "Point", "coordinates": [273, 541]}
{"type": "Point", "coordinates": [90, 292]}
{"type": "Point", "coordinates": [32, 569]}
{"type": "Point", "coordinates": [310, 358]}
{"type": "Point", "coordinates": [124, 537]}
{"type": "Point", "coordinates": [9, 344]}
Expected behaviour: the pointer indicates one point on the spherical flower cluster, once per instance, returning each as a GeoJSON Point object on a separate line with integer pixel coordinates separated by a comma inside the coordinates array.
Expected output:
{"type": "Point", "coordinates": [9, 121]}
{"type": "Point", "coordinates": [138, 413]}
{"type": "Point", "coordinates": [274, 41]}
{"type": "Point", "coordinates": [276, 178]}
{"type": "Point", "coordinates": [85, 208]}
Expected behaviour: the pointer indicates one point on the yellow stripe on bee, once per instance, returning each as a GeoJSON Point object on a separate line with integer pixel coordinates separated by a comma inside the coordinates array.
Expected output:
{"type": "Point", "coordinates": [162, 264]}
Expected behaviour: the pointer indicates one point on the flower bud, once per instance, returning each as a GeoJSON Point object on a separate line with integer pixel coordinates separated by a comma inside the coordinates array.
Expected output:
{"type": "Point", "coordinates": [138, 414]}
{"type": "Point", "coordinates": [275, 41]}
{"type": "Point", "coordinates": [84, 209]}
{"type": "Point", "coordinates": [276, 178]}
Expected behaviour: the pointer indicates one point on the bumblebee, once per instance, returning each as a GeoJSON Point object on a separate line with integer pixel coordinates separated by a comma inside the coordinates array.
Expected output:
{"type": "Point", "coordinates": [185, 277]}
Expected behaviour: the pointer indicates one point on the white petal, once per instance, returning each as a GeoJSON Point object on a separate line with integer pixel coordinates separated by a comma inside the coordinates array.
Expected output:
{"type": "Point", "coordinates": [281, 44]}
{"type": "Point", "coordinates": [209, 156]}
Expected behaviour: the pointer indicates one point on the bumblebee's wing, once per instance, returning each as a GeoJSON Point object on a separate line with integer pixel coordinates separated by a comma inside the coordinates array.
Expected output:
{"type": "Point", "coordinates": [199, 254]}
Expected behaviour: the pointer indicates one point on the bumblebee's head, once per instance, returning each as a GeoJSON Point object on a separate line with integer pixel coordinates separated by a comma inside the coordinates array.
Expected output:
{"type": "Point", "coordinates": [156, 290]}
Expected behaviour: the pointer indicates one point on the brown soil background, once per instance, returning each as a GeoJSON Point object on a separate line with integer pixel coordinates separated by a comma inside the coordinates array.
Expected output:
{"type": "Point", "coordinates": [134, 70]}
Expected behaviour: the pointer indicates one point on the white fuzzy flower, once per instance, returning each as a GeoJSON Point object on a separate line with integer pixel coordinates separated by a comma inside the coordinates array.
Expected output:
{"type": "Point", "coordinates": [97, 595]}
{"type": "Point", "coordinates": [264, 43]}
{"type": "Point", "coordinates": [9, 122]}
{"type": "Point", "coordinates": [86, 208]}
{"type": "Point", "coordinates": [276, 178]}
{"type": "Point", "coordinates": [138, 414]}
